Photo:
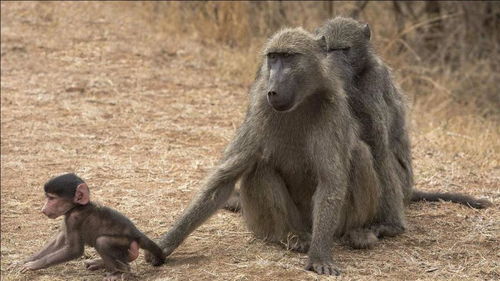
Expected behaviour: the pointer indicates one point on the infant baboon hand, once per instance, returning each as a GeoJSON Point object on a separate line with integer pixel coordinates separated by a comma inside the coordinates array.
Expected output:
{"type": "Point", "coordinates": [323, 267]}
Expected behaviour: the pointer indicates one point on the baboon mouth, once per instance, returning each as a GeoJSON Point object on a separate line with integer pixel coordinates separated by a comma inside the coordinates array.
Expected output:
{"type": "Point", "coordinates": [281, 107]}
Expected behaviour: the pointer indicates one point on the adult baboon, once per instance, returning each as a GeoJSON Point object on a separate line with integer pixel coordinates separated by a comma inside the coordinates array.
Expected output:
{"type": "Point", "coordinates": [305, 175]}
{"type": "Point", "coordinates": [380, 108]}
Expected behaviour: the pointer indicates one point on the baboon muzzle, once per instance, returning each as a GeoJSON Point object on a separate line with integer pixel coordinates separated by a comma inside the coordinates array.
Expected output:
{"type": "Point", "coordinates": [279, 102]}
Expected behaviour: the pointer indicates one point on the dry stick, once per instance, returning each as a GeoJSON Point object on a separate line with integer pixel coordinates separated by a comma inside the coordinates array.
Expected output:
{"type": "Point", "coordinates": [458, 135]}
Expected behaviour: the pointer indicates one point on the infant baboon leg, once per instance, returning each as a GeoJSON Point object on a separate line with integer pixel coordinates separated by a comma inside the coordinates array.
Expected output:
{"type": "Point", "coordinates": [361, 238]}
{"type": "Point", "coordinates": [269, 210]}
{"type": "Point", "coordinates": [94, 264]}
{"type": "Point", "coordinates": [114, 253]}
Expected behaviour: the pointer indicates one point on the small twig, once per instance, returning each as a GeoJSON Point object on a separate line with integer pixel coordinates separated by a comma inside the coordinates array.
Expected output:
{"type": "Point", "coordinates": [432, 269]}
{"type": "Point", "coordinates": [458, 135]}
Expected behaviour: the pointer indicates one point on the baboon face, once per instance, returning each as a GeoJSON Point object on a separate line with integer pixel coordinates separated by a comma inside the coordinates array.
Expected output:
{"type": "Point", "coordinates": [347, 40]}
{"type": "Point", "coordinates": [56, 206]}
{"type": "Point", "coordinates": [290, 69]}
{"type": "Point", "coordinates": [282, 85]}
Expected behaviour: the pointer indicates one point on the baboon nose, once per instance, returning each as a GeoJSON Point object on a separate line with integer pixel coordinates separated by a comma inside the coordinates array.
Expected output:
{"type": "Point", "coordinates": [271, 93]}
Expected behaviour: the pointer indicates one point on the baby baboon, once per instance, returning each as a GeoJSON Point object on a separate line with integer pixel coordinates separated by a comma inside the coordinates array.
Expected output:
{"type": "Point", "coordinates": [114, 236]}
{"type": "Point", "coordinates": [305, 175]}
{"type": "Point", "coordinates": [380, 108]}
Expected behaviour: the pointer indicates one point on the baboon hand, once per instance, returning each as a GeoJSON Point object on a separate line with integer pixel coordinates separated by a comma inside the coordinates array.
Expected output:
{"type": "Point", "coordinates": [32, 265]}
{"type": "Point", "coordinates": [15, 265]}
{"type": "Point", "coordinates": [323, 267]}
{"type": "Point", "coordinates": [152, 259]}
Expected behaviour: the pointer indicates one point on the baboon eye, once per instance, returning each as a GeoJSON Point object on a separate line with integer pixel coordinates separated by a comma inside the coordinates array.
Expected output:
{"type": "Point", "coordinates": [272, 56]}
{"type": "Point", "coordinates": [343, 49]}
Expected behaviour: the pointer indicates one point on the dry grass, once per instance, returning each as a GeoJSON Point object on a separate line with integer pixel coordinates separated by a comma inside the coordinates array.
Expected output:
{"type": "Point", "coordinates": [141, 113]}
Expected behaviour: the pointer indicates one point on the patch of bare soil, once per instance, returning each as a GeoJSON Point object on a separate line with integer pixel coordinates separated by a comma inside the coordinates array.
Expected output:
{"type": "Point", "coordinates": [143, 117]}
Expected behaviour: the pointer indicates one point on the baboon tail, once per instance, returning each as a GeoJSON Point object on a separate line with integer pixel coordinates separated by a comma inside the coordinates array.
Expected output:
{"type": "Point", "coordinates": [460, 198]}
{"type": "Point", "coordinates": [156, 256]}
{"type": "Point", "coordinates": [233, 204]}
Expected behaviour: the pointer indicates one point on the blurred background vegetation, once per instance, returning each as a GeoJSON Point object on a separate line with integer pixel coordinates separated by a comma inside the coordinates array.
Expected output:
{"type": "Point", "coordinates": [444, 53]}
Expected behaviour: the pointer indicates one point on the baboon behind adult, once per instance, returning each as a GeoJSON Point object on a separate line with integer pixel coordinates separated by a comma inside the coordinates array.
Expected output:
{"type": "Point", "coordinates": [306, 177]}
{"type": "Point", "coordinates": [380, 108]}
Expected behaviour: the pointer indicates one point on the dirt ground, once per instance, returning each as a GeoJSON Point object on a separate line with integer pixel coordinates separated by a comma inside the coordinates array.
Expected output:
{"type": "Point", "coordinates": [143, 117]}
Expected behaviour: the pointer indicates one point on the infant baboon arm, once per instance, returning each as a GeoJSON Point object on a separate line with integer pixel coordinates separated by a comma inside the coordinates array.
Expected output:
{"type": "Point", "coordinates": [72, 249]}
{"type": "Point", "coordinates": [53, 245]}
{"type": "Point", "coordinates": [220, 184]}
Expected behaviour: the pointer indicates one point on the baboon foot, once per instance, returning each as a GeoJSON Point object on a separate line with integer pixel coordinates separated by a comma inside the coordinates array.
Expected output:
{"type": "Point", "coordinates": [233, 204]}
{"type": "Point", "coordinates": [94, 264]}
{"type": "Point", "coordinates": [298, 242]}
{"type": "Point", "coordinates": [323, 268]}
{"type": "Point", "coordinates": [387, 230]}
{"type": "Point", "coordinates": [360, 238]}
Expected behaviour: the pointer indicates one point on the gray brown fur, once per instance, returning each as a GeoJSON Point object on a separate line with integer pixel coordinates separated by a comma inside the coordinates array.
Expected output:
{"type": "Point", "coordinates": [380, 108]}
{"type": "Point", "coordinates": [377, 104]}
{"type": "Point", "coordinates": [114, 236]}
{"type": "Point", "coordinates": [100, 227]}
{"type": "Point", "coordinates": [305, 175]}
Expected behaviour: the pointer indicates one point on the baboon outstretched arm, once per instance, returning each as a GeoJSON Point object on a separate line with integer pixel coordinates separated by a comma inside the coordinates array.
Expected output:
{"type": "Point", "coordinates": [72, 249]}
{"type": "Point", "coordinates": [215, 192]}
{"type": "Point", "coordinates": [53, 245]}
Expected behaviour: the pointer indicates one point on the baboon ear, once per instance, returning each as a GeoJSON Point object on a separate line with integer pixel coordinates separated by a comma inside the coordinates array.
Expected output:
{"type": "Point", "coordinates": [322, 43]}
{"type": "Point", "coordinates": [367, 31]}
{"type": "Point", "coordinates": [82, 194]}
